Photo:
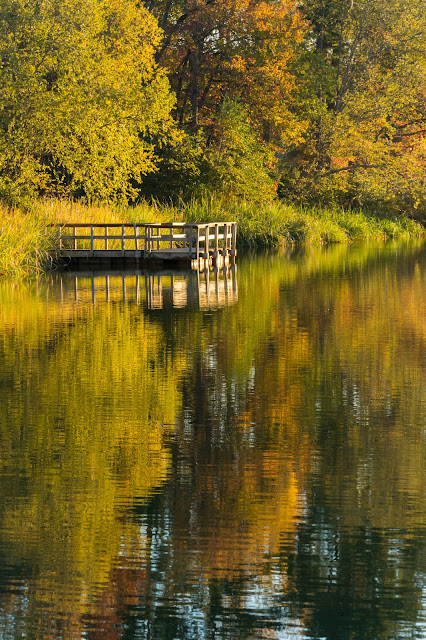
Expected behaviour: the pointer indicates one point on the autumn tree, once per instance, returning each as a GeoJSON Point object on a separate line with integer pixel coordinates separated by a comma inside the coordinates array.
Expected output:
{"type": "Point", "coordinates": [227, 158]}
{"type": "Point", "coordinates": [241, 49]}
{"type": "Point", "coordinates": [368, 110]}
{"type": "Point", "coordinates": [80, 97]}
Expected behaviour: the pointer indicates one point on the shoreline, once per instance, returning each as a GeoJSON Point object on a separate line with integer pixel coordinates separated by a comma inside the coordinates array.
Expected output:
{"type": "Point", "coordinates": [27, 242]}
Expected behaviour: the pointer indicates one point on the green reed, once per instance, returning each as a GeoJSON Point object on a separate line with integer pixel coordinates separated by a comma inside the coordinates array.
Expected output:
{"type": "Point", "coordinates": [28, 243]}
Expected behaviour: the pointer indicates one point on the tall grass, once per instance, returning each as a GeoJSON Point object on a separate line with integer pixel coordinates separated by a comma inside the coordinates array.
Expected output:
{"type": "Point", "coordinates": [277, 222]}
{"type": "Point", "coordinates": [27, 242]}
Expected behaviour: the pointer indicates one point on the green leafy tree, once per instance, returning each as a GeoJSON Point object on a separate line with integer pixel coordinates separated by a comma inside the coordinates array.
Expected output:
{"type": "Point", "coordinates": [239, 164]}
{"type": "Point", "coordinates": [81, 97]}
{"type": "Point", "coordinates": [366, 142]}
{"type": "Point", "coordinates": [225, 156]}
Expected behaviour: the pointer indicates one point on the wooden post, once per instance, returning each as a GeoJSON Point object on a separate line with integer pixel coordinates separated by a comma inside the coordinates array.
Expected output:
{"type": "Point", "coordinates": [216, 241]}
{"type": "Point", "coordinates": [197, 242]}
{"type": "Point", "coordinates": [136, 237]}
{"type": "Point", "coordinates": [207, 242]}
{"type": "Point", "coordinates": [92, 240]}
{"type": "Point", "coordinates": [106, 238]}
{"type": "Point", "coordinates": [225, 240]}
{"type": "Point", "coordinates": [75, 239]}
{"type": "Point", "coordinates": [234, 241]}
{"type": "Point", "coordinates": [188, 231]}
{"type": "Point", "coordinates": [123, 242]}
{"type": "Point", "coordinates": [148, 241]}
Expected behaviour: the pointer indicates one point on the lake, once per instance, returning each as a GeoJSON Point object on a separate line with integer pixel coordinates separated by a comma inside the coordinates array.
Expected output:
{"type": "Point", "coordinates": [238, 455]}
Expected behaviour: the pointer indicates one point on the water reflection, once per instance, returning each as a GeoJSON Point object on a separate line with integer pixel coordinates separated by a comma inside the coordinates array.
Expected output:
{"type": "Point", "coordinates": [208, 289]}
{"type": "Point", "coordinates": [259, 471]}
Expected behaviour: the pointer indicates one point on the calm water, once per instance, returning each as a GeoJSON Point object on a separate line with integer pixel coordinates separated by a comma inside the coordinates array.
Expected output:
{"type": "Point", "coordinates": [238, 458]}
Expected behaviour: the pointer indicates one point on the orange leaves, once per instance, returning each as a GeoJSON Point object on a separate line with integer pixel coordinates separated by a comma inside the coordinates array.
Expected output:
{"type": "Point", "coordinates": [244, 49]}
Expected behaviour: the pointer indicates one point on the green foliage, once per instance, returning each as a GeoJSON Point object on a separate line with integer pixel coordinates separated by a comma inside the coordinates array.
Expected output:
{"type": "Point", "coordinates": [226, 157]}
{"type": "Point", "coordinates": [366, 142]}
{"type": "Point", "coordinates": [331, 91]}
{"type": "Point", "coordinates": [183, 169]}
{"type": "Point", "coordinates": [80, 95]}
{"type": "Point", "coordinates": [240, 165]}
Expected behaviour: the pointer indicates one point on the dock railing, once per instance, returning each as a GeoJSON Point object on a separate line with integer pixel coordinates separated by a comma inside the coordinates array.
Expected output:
{"type": "Point", "coordinates": [166, 241]}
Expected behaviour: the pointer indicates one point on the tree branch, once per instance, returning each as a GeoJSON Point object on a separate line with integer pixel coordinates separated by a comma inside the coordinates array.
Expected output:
{"type": "Point", "coordinates": [410, 133]}
{"type": "Point", "coordinates": [172, 30]}
{"type": "Point", "coordinates": [350, 167]}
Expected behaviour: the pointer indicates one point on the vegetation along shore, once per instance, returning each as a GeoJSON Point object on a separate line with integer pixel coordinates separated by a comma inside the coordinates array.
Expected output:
{"type": "Point", "coordinates": [306, 120]}
{"type": "Point", "coordinates": [27, 242]}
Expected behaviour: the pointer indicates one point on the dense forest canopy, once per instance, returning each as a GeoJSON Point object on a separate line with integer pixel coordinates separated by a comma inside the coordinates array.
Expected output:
{"type": "Point", "coordinates": [315, 100]}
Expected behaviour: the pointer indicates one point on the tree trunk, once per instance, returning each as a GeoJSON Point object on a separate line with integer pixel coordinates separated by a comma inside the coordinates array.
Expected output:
{"type": "Point", "coordinates": [194, 65]}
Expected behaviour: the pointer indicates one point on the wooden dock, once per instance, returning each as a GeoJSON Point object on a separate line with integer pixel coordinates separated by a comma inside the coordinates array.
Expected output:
{"type": "Point", "coordinates": [196, 245]}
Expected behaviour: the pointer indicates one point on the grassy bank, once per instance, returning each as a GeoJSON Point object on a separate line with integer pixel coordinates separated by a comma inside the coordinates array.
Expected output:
{"type": "Point", "coordinates": [26, 240]}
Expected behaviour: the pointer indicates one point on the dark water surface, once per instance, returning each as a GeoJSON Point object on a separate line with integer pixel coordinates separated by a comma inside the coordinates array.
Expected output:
{"type": "Point", "coordinates": [243, 458]}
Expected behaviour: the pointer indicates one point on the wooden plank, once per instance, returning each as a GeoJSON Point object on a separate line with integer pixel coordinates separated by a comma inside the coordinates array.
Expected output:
{"type": "Point", "coordinates": [148, 241]}
{"type": "Point", "coordinates": [101, 253]}
{"type": "Point", "coordinates": [206, 241]}
{"type": "Point", "coordinates": [190, 241]}
{"type": "Point", "coordinates": [216, 240]}
{"type": "Point", "coordinates": [118, 225]}
{"type": "Point", "coordinates": [167, 238]}
{"type": "Point", "coordinates": [109, 237]}
{"type": "Point", "coordinates": [234, 239]}
{"type": "Point", "coordinates": [100, 225]}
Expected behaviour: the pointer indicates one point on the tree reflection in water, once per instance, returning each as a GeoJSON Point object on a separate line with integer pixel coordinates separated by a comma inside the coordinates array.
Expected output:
{"type": "Point", "coordinates": [251, 465]}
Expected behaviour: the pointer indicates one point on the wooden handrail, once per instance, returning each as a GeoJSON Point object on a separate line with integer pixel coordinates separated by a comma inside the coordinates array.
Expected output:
{"type": "Point", "coordinates": [164, 225]}
{"type": "Point", "coordinates": [193, 240]}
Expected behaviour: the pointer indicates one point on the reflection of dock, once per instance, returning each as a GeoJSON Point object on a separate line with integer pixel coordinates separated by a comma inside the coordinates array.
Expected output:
{"type": "Point", "coordinates": [208, 289]}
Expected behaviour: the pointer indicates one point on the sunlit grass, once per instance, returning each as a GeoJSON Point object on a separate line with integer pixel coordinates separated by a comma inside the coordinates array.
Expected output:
{"type": "Point", "coordinates": [27, 242]}
{"type": "Point", "coordinates": [277, 222]}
